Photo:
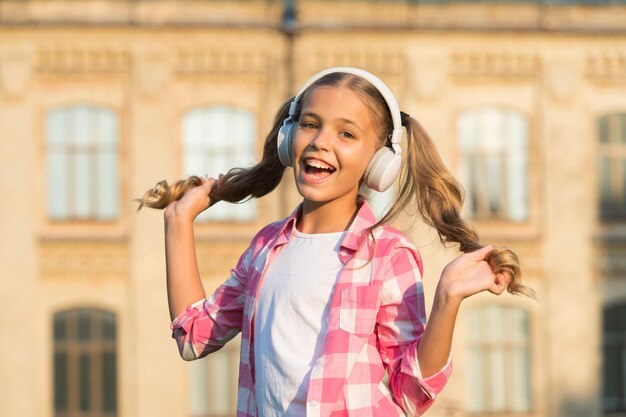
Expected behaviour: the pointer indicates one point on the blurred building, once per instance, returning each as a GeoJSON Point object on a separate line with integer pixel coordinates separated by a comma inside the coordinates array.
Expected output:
{"type": "Point", "coordinates": [100, 100]}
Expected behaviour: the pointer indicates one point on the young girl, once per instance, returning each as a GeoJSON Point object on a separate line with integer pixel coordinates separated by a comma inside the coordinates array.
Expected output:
{"type": "Point", "coordinates": [330, 301]}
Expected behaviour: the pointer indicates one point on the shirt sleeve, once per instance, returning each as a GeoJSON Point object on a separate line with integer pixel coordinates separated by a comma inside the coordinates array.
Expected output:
{"type": "Point", "coordinates": [401, 324]}
{"type": "Point", "coordinates": [206, 325]}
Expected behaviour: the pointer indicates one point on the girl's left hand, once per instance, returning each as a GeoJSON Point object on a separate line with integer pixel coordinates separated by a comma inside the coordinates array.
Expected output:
{"type": "Point", "coordinates": [469, 274]}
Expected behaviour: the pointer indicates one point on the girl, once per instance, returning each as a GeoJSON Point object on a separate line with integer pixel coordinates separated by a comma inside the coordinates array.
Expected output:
{"type": "Point", "coordinates": [330, 301]}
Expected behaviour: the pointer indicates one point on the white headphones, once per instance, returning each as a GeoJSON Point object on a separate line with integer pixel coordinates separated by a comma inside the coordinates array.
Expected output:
{"type": "Point", "coordinates": [384, 166]}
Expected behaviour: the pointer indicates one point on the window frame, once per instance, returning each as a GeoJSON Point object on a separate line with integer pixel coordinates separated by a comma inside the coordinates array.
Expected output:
{"type": "Point", "coordinates": [478, 151]}
{"type": "Point", "coordinates": [75, 348]}
{"type": "Point", "coordinates": [618, 340]}
{"type": "Point", "coordinates": [200, 373]}
{"type": "Point", "coordinates": [482, 308]}
{"type": "Point", "coordinates": [497, 228]}
{"type": "Point", "coordinates": [616, 154]}
{"type": "Point", "coordinates": [94, 149]}
{"type": "Point", "coordinates": [232, 109]}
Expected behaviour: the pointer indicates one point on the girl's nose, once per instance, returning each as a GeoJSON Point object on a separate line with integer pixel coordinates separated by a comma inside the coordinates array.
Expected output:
{"type": "Point", "coordinates": [321, 140]}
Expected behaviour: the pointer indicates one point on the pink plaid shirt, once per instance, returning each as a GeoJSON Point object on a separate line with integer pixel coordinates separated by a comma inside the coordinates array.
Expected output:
{"type": "Point", "coordinates": [376, 320]}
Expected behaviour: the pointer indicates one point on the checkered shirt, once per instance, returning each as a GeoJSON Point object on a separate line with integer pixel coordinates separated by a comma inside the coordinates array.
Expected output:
{"type": "Point", "coordinates": [368, 366]}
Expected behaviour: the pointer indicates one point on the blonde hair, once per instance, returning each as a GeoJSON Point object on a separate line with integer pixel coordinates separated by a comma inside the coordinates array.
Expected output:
{"type": "Point", "coordinates": [425, 182]}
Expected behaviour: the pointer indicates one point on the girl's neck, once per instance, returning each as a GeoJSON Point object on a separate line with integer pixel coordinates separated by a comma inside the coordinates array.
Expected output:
{"type": "Point", "coordinates": [326, 217]}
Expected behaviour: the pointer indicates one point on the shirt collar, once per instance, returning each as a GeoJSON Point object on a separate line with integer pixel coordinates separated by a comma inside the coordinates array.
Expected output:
{"type": "Point", "coordinates": [354, 236]}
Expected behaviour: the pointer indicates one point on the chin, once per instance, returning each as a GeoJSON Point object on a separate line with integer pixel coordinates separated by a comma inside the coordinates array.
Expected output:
{"type": "Point", "coordinates": [313, 196]}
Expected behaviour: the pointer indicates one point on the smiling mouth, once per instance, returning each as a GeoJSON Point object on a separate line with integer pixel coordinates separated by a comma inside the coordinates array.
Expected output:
{"type": "Point", "coordinates": [317, 169]}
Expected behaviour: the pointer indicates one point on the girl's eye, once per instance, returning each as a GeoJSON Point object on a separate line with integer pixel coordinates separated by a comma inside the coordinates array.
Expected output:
{"type": "Point", "coordinates": [308, 125]}
{"type": "Point", "coordinates": [347, 135]}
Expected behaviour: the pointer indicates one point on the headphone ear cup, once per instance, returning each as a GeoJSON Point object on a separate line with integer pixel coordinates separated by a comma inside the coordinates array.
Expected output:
{"type": "Point", "coordinates": [285, 142]}
{"type": "Point", "coordinates": [383, 169]}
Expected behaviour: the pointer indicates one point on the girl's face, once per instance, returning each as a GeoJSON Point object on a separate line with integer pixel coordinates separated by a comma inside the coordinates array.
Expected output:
{"type": "Point", "coordinates": [335, 140]}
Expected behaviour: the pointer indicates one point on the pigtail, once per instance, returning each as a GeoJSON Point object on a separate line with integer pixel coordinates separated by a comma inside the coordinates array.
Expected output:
{"type": "Point", "coordinates": [425, 182]}
{"type": "Point", "coordinates": [238, 185]}
{"type": "Point", "coordinates": [439, 199]}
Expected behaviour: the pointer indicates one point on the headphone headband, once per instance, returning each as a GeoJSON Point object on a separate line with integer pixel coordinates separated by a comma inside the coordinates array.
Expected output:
{"type": "Point", "coordinates": [385, 164]}
{"type": "Point", "coordinates": [382, 88]}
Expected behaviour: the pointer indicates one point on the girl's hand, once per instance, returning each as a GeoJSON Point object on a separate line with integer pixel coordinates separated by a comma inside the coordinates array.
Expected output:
{"type": "Point", "coordinates": [194, 202]}
{"type": "Point", "coordinates": [469, 274]}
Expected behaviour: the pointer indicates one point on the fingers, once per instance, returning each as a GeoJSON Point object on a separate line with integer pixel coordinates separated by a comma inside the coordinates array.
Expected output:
{"type": "Point", "coordinates": [208, 183]}
{"type": "Point", "coordinates": [501, 281]}
{"type": "Point", "coordinates": [480, 254]}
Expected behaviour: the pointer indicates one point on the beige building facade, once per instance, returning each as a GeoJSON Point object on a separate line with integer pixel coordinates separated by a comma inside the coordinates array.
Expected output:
{"type": "Point", "coordinates": [100, 100]}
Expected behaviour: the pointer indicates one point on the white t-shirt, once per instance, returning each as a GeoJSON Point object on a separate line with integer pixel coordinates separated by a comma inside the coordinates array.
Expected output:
{"type": "Point", "coordinates": [291, 320]}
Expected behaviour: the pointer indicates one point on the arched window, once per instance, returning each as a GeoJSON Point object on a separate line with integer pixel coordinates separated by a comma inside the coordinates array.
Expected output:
{"type": "Point", "coordinates": [498, 360]}
{"type": "Point", "coordinates": [215, 140]}
{"type": "Point", "coordinates": [493, 143]}
{"type": "Point", "coordinates": [612, 166]}
{"type": "Point", "coordinates": [614, 358]}
{"type": "Point", "coordinates": [82, 163]}
{"type": "Point", "coordinates": [85, 364]}
{"type": "Point", "coordinates": [213, 382]}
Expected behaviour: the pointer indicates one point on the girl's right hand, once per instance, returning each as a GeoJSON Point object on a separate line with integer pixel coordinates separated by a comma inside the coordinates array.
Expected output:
{"type": "Point", "coordinates": [193, 202]}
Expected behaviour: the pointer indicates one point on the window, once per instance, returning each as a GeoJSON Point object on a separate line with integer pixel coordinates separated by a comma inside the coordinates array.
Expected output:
{"type": "Point", "coordinates": [498, 360]}
{"type": "Point", "coordinates": [614, 375]}
{"type": "Point", "coordinates": [82, 165]}
{"type": "Point", "coordinates": [217, 139]}
{"type": "Point", "coordinates": [612, 166]}
{"type": "Point", "coordinates": [213, 382]}
{"type": "Point", "coordinates": [85, 370]}
{"type": "Point", "coordinates": [493, 144]}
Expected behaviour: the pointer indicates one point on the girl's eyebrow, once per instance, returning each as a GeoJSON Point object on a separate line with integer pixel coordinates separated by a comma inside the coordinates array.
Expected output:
{"type": "Point", "coordinates": [342, 119]}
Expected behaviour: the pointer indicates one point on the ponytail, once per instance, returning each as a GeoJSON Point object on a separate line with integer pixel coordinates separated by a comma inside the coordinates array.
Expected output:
{"type": "Point", "coordinates": [427, 183]}
{"type": "Point", "coordinates": [238, 185]}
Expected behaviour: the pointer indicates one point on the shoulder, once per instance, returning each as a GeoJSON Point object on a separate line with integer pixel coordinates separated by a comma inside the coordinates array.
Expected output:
{"type": "Point", "coordinates": [268, 233]}
{"type": "Point", "coordinates": [392, 240]}
{"type": "Point", "coordinates": [271, 229]}
{"type": "Point", "coordinates": [397, 247]}
{"type": "Point", "coordinates": [259, 243]}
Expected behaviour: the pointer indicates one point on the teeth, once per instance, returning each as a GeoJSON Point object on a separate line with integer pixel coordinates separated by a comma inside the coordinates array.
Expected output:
{"type": "Point", "coordinates": [318, 164]}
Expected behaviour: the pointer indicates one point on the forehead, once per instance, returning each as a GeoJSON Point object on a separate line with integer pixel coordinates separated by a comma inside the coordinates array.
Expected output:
{"type": "Point", "coordinates": [336, 102]}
